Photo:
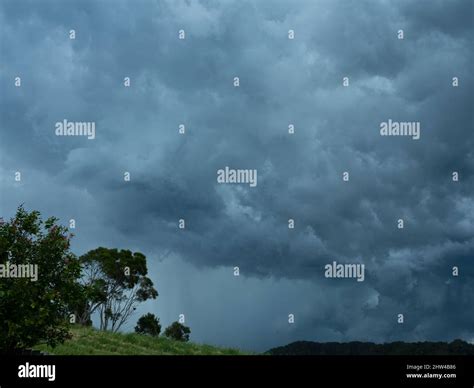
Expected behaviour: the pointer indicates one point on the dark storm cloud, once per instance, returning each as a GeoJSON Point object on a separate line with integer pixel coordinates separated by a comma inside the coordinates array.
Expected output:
{"type": "Point", "coordinates": [300, 176]}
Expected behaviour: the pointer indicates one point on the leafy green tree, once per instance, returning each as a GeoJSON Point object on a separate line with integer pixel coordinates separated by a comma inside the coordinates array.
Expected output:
{"type": "Point", "coordinates": [178, 332]}
{"type": "Point", "coordinates": [35, 309]}
{"type": "Point", "coordinates": [148, 324]}
{"type": "Point", "coordinates": [114, 282]}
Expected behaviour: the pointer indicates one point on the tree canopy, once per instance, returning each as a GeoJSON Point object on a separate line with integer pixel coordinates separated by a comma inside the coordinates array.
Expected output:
{"type": "Point", "coordinates": [148, 324]}
{"type": "Point", "coordinates": [178, 332]}
{"type": "Point", "coordinates": [114, 282]}
{"type": "Point", "coordinates": [35, 308]}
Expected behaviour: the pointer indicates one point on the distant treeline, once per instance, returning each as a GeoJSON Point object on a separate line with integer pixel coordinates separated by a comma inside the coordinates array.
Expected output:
{"type": "Point", "coordinates": [456, 347]}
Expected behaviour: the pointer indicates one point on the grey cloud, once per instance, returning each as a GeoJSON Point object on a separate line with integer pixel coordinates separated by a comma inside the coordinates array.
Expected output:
{"type": "Point", "coordinates": [300, 176]}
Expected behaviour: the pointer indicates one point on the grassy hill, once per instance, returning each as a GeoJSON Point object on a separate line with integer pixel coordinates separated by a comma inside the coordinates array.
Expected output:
{"type": "Point", "coordinates": [88, 341]}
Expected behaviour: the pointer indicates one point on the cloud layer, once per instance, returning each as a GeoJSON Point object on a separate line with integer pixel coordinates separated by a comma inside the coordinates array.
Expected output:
{"type": "Point", "coordinates": [282, 82]}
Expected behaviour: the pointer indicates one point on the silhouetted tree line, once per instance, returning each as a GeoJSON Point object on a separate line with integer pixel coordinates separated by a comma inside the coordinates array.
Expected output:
{"type": "Point", "coordinates": [456, 347]}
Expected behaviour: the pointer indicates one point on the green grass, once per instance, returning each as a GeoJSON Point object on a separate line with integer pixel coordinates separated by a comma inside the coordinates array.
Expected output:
{"type": "Point", "coordinates": [89, 341]}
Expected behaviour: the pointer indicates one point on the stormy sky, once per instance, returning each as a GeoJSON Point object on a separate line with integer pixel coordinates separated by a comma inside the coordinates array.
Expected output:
{"type": "Point", "coordinates": [300, 176]}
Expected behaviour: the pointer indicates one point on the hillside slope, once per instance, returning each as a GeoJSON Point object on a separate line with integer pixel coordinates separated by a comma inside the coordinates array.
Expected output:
{"type": "Point", "coordinates": [89, 341]}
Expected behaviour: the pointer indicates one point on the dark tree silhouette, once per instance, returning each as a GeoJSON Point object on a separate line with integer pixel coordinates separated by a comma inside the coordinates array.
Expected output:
{"type": "Point", "coordinates": [178, 332]}
{"type": "Point", "coordinates": [148, 324]}
{"type": "Point", "coordinates": [114, 283]}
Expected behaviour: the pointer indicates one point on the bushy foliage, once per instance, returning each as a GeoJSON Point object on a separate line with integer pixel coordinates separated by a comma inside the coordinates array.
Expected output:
{"type": "Point", "coordinates": [148, 324]}
{"type": "Point", "coordinates": [35, 310]}
{"type": "Point", "coordinates": [178, 332]}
